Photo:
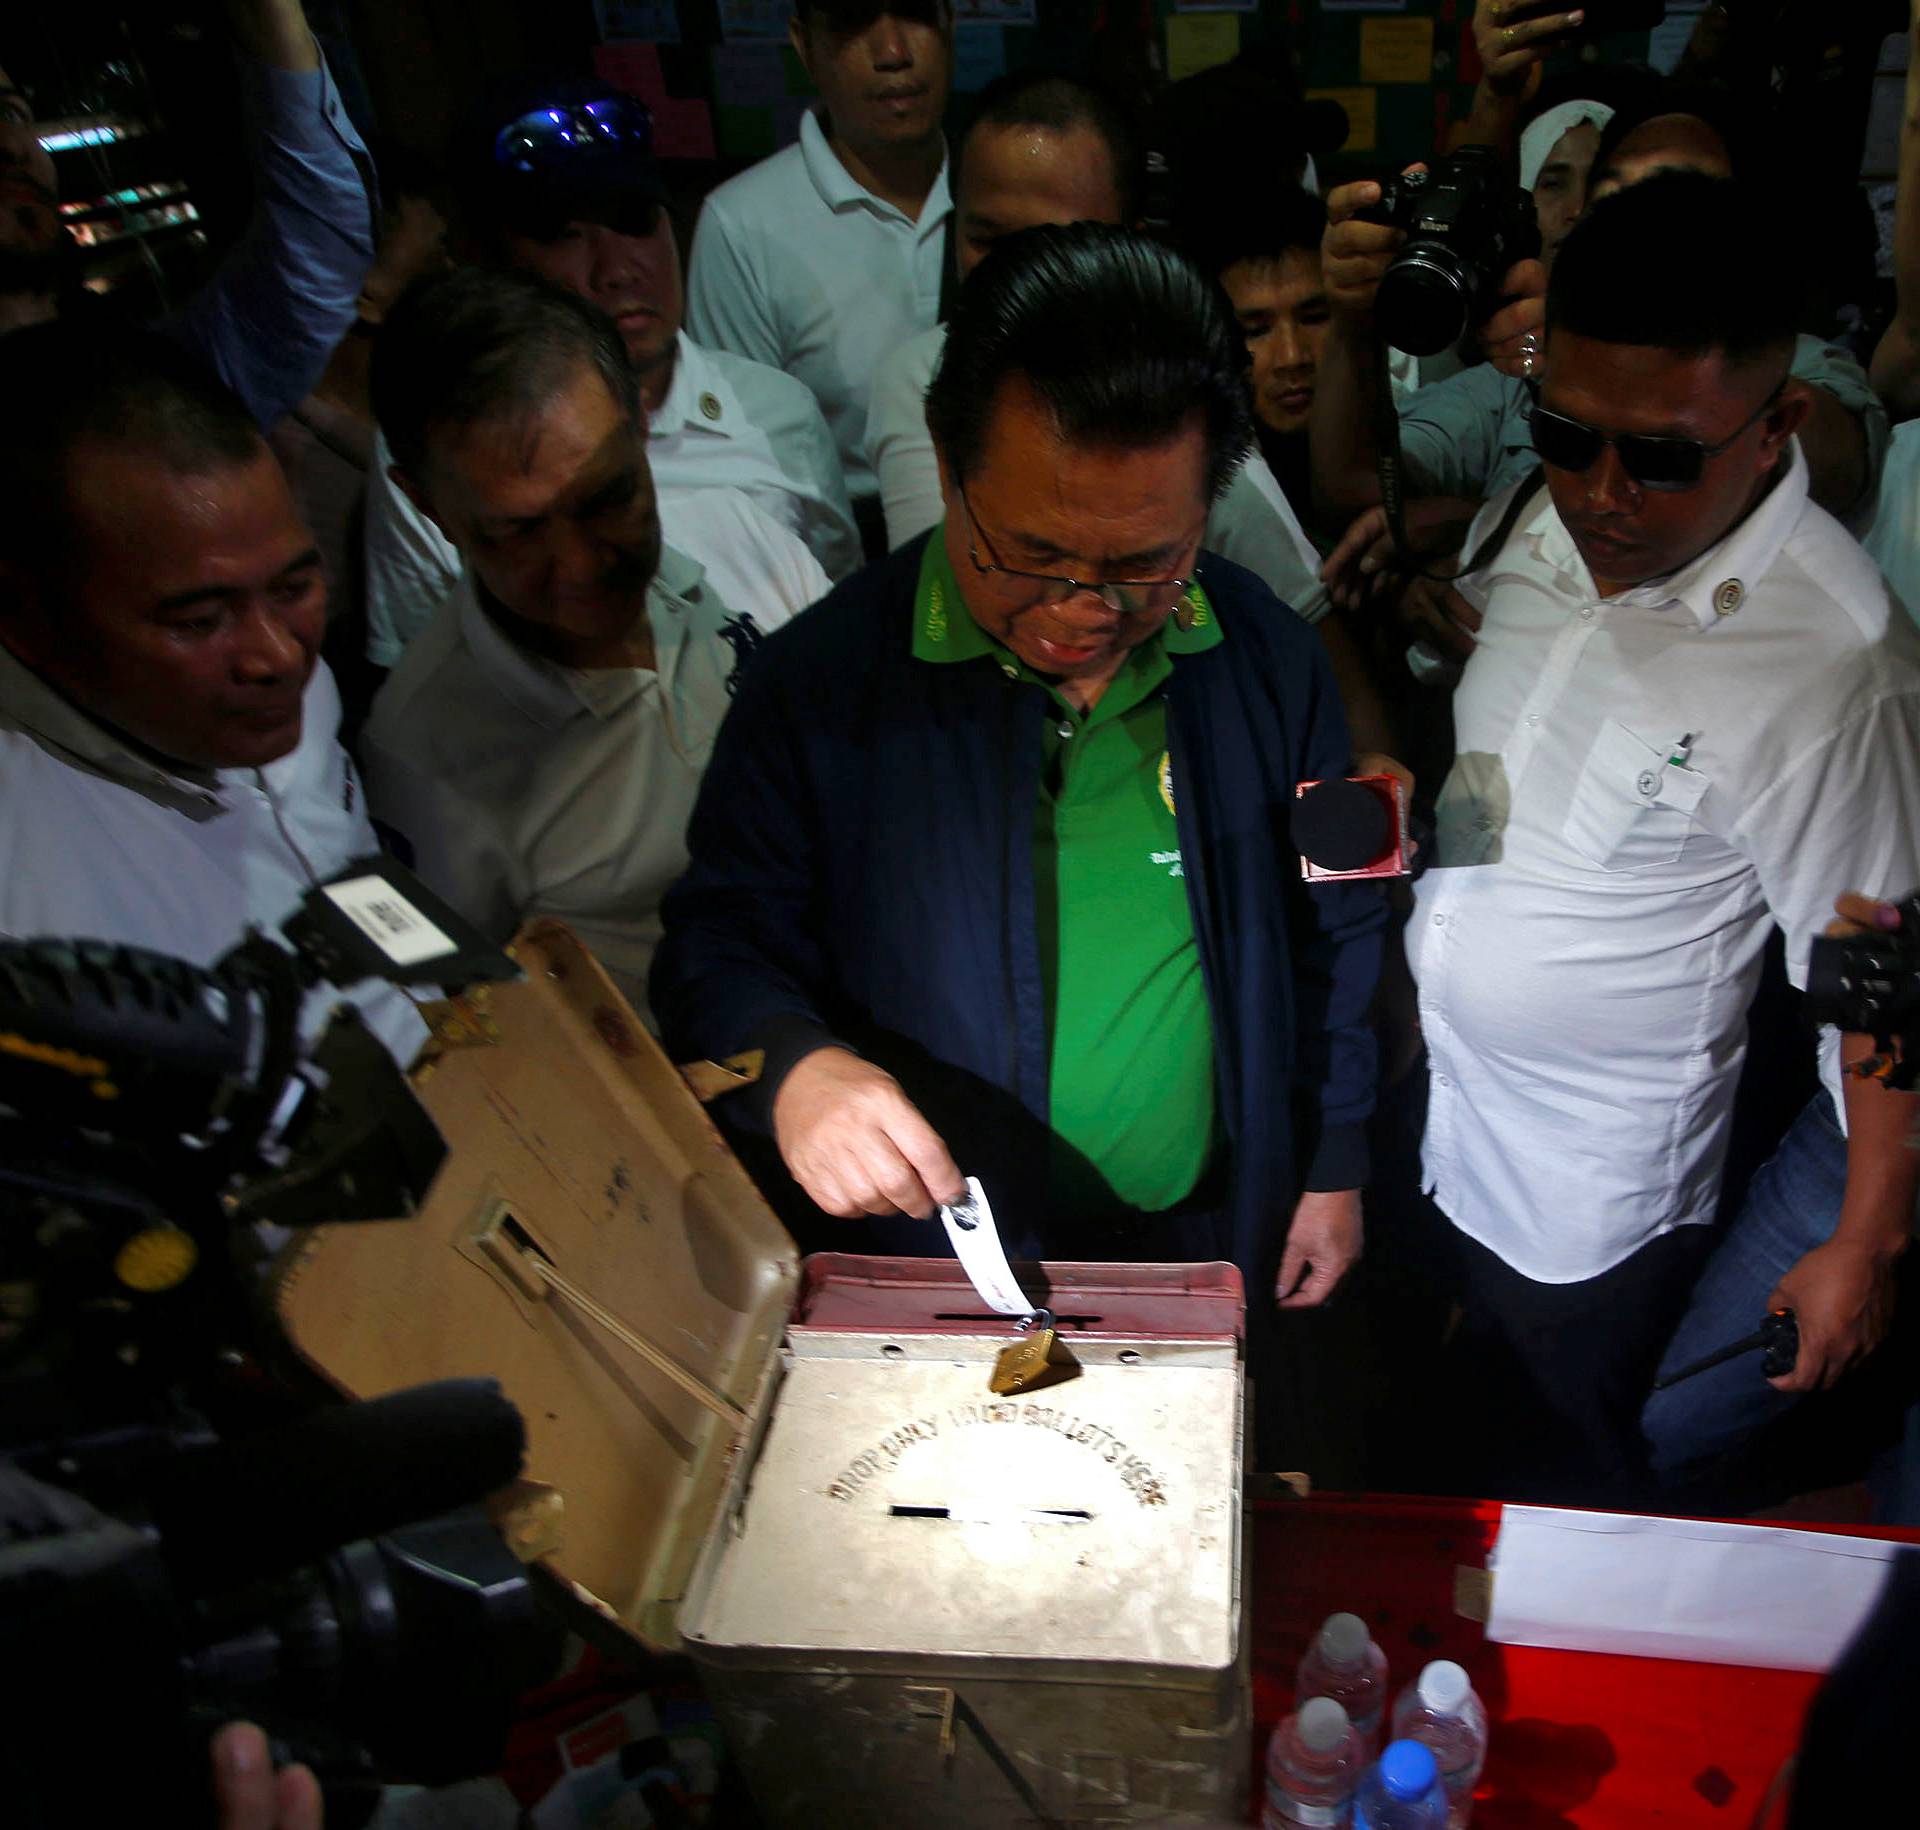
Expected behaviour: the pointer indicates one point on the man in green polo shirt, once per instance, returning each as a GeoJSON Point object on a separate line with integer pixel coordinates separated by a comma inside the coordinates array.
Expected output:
{"type": "Point", "coordinates": [1133, 1105]}
{"type": "Point", "coordinates": [992, 857]}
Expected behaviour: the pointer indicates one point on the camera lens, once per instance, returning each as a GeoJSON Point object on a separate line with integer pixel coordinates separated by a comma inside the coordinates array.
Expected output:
{"type": "Point", "coordinates": [1426, 300]}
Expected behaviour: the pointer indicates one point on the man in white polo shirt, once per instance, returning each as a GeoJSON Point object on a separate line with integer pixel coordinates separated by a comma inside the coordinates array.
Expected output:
{"type": "Point", "coordinates": [1693, 710]}
{"type": "Point", "coordinates": [169, 770]}
{"type": "Point", "coordinates": [822, 258]}
{"type": "Point", "coordinates": [539, 747]}
{"type": "Point", "coordinates": [561, 181]}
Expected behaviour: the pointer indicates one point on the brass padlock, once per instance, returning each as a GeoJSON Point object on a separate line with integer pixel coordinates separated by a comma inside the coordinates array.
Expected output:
{"type": "Point", "coordinates": [1024, 1362]}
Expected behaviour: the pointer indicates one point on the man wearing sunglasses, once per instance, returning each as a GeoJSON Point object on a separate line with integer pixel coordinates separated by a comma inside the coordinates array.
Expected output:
{"type": "Point", "coordinates": [1469, 437]}
{"type": "Point", "coordinates": [1693, 708]}
{"type": "Point", "coordinates": [992, 858]}
{"type": "Point", "coordinates": [559, 180]}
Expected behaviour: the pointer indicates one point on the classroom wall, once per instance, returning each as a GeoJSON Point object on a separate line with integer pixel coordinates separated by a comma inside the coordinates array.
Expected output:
{"type": "Point", "coordinates": [726, 89]}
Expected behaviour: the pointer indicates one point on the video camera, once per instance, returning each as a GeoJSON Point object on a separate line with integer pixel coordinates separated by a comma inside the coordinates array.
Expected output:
{"type": "Point", "coordinates": [1466, 222]}
{"type": "Point", "coordinates": [189, 1531]}
{"type": "Point", "coordinates": [1871, 983]}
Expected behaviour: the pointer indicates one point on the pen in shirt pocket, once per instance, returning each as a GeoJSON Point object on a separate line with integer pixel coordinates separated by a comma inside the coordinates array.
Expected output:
{"type": "Point", "coordinates": [1681, 751]}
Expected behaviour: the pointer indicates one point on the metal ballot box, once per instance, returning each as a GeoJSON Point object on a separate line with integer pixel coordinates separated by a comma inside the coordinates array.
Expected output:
{"type": "Point", "coordinates": [912, 1601]}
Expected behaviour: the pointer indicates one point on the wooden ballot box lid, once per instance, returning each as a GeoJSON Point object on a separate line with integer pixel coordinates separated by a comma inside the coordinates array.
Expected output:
{"type": "Point", "coordinates": [593, 1245]}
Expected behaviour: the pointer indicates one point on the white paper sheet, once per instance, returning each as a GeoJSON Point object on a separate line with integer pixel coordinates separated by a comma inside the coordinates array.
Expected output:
{"type": "Point", "coordinates": [1681, 1588]}
{"type": "Point", "coordinates": [976, 1243]}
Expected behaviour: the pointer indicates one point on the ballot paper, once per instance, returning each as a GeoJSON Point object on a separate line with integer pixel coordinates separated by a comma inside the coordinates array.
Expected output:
{"type": "Point", "coordinates": [1681, 1588]}
{"type": "Point", "coordinates": [976, 1241]}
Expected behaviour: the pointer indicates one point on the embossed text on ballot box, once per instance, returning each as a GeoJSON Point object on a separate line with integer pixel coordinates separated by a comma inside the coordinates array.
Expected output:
{"type": "Point", "coordinates": [935, 1606]}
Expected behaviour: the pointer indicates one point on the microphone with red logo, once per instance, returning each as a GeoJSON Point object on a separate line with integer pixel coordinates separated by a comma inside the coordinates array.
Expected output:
{"type": "Point", "coordinates": [1351, 829]}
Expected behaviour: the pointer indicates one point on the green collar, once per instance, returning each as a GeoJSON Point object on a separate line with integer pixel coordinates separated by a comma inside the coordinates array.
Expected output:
{"type": "Point", "coordinates": [944, 629]}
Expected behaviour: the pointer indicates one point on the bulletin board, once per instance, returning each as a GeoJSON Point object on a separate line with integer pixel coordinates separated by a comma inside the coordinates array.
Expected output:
{"type": "Point", "coordinates": [726, 88]}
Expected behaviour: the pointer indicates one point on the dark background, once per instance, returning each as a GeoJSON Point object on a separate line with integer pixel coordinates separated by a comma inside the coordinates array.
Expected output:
{"type": "Point", "coordinates": [162, 201]}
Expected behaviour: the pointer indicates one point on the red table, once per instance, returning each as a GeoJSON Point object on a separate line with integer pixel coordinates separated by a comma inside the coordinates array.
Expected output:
{"type": "Point", "coordinates": [1579, 1738]}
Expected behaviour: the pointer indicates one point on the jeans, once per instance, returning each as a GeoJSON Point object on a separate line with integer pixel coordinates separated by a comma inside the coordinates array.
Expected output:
{"type": "Point", "coordinates": [1726, 1439]}
{"type": "Point", "coordinates": [1791, 1207]}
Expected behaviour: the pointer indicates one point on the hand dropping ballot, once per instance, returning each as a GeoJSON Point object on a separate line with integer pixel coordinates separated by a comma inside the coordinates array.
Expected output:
{"type": "Point", "coordinates": [1025, 1363]}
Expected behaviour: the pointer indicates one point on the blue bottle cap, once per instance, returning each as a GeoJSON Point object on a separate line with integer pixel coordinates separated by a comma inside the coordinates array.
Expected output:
{"type": "Point", "coordinates": [1407, 1770]}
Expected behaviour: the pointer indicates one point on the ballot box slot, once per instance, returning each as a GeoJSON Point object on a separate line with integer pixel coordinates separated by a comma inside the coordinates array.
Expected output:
{"type": "Point", "coordinates": [974, 1317]}
{"type": "Point", "coordinates": [977, 1514]}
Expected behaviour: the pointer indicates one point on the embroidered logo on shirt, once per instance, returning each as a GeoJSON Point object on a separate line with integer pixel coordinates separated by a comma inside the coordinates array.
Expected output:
{"type": "Point", "coordinates": [1171, 859]}
{"type": "Point", "coordinates": [743, 635]}
{"type": "Point", "coordinates": [1166, 781]}
{"type": "Point", "coordinates": [936, 615]}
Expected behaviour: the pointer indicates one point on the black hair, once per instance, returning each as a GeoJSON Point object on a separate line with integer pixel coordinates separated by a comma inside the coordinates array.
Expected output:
{"type": "Point", "coordinates": [1062, 103]}
{"type": "Point", "coordinates": [1740, 128]}
{"type": "Point", "coordinates": [69, 384]}
{"type": "Point", "coordinates": [473, 344]}
{"type": "Point", "coordinates": [1626, 88]}
{"type": "Point", "coordinates": [1122, 339]}
{"type": "Point", "coordinates": [849, 16]}
{"type": "Point", "coordinates": [1274, 224]}
{"type": "Point", "coordinates": [1715, 288]}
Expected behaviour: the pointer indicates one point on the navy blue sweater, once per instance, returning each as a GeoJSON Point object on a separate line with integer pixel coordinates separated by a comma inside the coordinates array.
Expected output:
{"type": "Point", "coordinates": [863, 873]}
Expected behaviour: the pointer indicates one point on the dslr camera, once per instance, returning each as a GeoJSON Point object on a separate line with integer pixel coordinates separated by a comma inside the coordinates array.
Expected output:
{"type": "Point", "coordinates": [1466, 222]}
{"type": "Point", "coordinates": [1871, 983]}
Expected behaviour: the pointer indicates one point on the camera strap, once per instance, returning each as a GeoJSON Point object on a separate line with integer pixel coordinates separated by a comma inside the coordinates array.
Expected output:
{"type": "Point", "coordinates": [1386, 433]}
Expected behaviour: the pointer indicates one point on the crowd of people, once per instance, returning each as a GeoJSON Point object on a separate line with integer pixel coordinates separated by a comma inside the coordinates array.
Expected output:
{"type": "Point", "coordinates": [891, 623]}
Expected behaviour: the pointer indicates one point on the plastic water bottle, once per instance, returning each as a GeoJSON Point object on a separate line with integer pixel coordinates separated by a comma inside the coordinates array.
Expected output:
{"type": "Point", "coordinates": [1441, 1712]}
{"type": "Point", "coordinates": [1345, 1664]}
{"type": "Point", "coordinates": [1314, 1762]}
{"type": "Point", "coordinates": [1401, 1791]}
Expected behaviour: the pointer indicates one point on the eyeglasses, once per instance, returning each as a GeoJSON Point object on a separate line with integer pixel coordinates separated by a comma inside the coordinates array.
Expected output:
{"type": "Point", "coordinates": [1670, 464]}
{"type": "Point", "coordinates": [1130, 596]}
{"type": "Point", "coordinates": [545, 139]}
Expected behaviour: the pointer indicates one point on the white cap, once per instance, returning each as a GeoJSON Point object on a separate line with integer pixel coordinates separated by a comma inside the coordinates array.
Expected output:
{"type": "Point", "coordinates": [1321, 1724]}
{"type": "Point", "coordinates": [1546, 132]}
{"type": "Point", "coordinates": [1343, 1640]}
{"type": "Point", "coordinates": [1444, 1687]}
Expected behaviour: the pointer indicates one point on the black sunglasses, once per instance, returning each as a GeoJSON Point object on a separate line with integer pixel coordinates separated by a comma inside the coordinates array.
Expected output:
{"type": "Point", "coordinates": [1653, 462]}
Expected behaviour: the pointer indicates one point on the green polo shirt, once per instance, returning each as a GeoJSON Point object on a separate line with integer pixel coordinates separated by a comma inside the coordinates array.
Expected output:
{"type": "Point", "coordinates": [1131, 1086]}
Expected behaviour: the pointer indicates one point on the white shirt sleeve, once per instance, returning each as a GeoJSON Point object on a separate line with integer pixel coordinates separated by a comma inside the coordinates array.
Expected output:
{"type": "Point", "coordinates": [796, 579]}
{"type": "Point", "coordinates": [804, 450]}
{"type": "Point", "coordinates": [1254, 525]}
{"type": "Point", "coordinates": [727, 308]}
{"type": "Point", "coordinates": [1845, 817]}
{"type": "Point", "coordinates": [412, 567]}
{"type": "Point", "coordinates": [757, 566]}
{"type": "Point", "coordinates": [899, 446]}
